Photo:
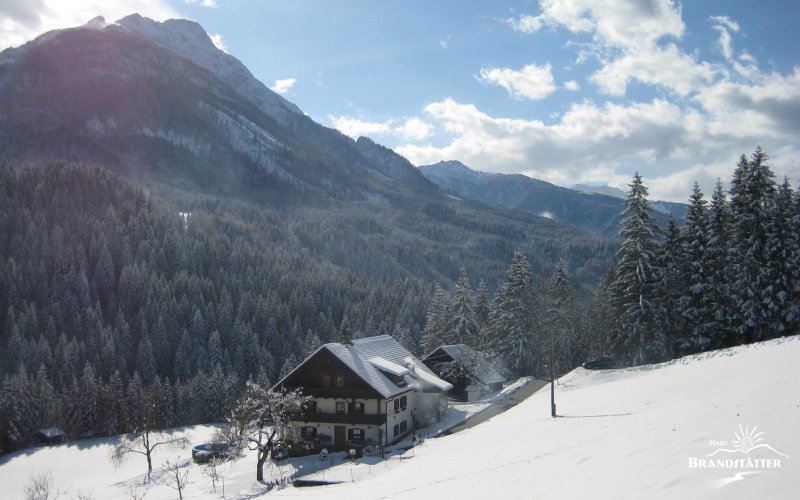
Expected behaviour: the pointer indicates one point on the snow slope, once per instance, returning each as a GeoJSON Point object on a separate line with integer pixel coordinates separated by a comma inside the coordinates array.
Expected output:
{"type": "Point", "coordinates": [623, 434]}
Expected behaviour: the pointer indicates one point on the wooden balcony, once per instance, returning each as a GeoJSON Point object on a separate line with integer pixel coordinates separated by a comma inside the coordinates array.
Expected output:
{"type": "Point", "coordinates": [341, 418]}
{"type": "Point", "coordinates": [346, 393]}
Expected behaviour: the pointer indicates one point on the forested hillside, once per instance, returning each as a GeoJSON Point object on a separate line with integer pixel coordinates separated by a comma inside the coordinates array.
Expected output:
{"type": "Point", "coordinates": [106, 288]}
{"type": "Point", "coordinates": [729, 276]}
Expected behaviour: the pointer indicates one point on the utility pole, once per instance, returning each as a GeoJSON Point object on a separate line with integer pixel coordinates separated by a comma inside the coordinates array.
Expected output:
{"type": "Point", "coordinates": [552, 373]}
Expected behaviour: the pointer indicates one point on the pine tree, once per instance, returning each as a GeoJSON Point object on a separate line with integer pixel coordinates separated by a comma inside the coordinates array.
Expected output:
{"type": "Point", "coordinates": [671, 284]}
{"type": "Point", "coordinates": [214, 351]}
{"type": "Point", "coordinates": [719, 268]}
{"type": "Point", "coordinates": [752, 192]}
{"type": "Point", "coordinates": [562, 320]}
{"type": "Point", "coordinates": [463, 325]}
{"type": "Point", "coordinates": [782, 313]}
{"type": "Point", "coordinates": [145, 361]}
{"type": "Point", "coordinates": [695, 303]}
{"type": "Point", "coordinates": [89, 393]}
{"type": "Point", "coordinates": [435, 321]}
{"type": "Point", "coordinates": [482, 307]}
{"type": "Point", "coordinates": [633, 291]}
{"type": "Point", "coordinates": [514, 319]}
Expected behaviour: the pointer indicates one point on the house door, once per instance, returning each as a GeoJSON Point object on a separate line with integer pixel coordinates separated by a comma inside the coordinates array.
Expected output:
{"type": "Point", "coordinates": [339, 437]}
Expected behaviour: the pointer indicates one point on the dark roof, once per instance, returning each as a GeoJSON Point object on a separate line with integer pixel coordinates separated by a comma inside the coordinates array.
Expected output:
{"type": "Point", "coordinates": [481, 369]}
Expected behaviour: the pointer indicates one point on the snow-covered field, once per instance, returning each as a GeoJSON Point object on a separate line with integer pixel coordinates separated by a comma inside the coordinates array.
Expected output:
{"type": "Point", "coordinates": [649, 432]}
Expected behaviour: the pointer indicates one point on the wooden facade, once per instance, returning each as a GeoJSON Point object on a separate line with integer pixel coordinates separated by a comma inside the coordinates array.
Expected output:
{"type": "Point", "coordinates": [358, 403]}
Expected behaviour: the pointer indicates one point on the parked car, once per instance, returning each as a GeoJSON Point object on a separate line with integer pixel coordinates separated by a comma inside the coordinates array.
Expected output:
{"type": "Point", "coordinates": [601, 363]}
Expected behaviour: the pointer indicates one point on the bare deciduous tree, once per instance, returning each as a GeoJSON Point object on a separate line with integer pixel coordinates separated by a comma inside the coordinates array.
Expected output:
{"type": "Point", "coordinates": [143, 443]}
{"type": "Point", "coordinates": [42, 486]}
{"type": "Point", "coordinates": [261, 419]}
{"type": "Point", "coordinates": [177, 476]}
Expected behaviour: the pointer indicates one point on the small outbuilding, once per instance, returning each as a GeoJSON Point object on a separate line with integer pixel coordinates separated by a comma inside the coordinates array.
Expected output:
{"type": "Point", "coordinates": [50, 435]}
{"type": "Point", "coordinates": [470, 372]}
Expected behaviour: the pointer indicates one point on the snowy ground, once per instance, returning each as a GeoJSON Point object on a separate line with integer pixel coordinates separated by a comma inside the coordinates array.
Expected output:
{"type": "Point", "coordinates": [636, 433]}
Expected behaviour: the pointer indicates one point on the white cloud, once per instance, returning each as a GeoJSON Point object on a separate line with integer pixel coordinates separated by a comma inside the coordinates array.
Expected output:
{"type": "Point", "coordinates": [414, 129]}
{"type": "Point", "coordinates": [283, 86]}
{"type": "Point", "coordinates": [410, 129]}
{"type": "Point", "coordinates": [204, 3]}
{"type": "Point", "coordinates": [531, 82]}
{"type": "Point", "coordinates": [628, 39]}
{"type": "Point", "coordinates": [622, 23]}
{"type": "Point", "coordinates": [355, 127]}
{"type": "Point", "coordinates": [572, 85]}
{"type": "Point", "coordinates": [592, 143]}
{"type": "Point", "coordinates": [668, 67]}
{"type": "Point", "coordinates": [444, 42]}
{"type": "Point", "coordinates": [527, 23]}
{"type": "Point", "coordinates": [21, 21]}
{"type": "Point", "coordinates": [724, 26]}
{"type": "Point", "coordinates": [218, 42]}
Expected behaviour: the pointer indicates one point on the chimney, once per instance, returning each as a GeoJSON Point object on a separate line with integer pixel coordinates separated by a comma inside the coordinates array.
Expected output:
{"type": "Point", "coordinates": [346, 336]}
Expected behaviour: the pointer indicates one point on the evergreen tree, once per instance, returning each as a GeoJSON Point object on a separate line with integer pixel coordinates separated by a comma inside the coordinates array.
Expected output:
{"type": "Point", "coordinates": [695, 303]}
{"type": "Point", "coordinates": [671, 284]}
{"type": "Point", "coordinates": [145, 362]}
{"type": "Point", "coordinates": [482, 307]}
{"type": "Point", "coordinates": [633, 291]}
{"type": "Point", "coordinates": [514, 320]}
{"type": "Point", "coordinates": [719, 256]}
{"type": "Point", "coordinates": [436, 321]}
{"type": "Point", "coordinates": [782, 313]}
{"type": "Point", "coordinates": [463, 325]}
{"type": "Point", "coordinates": [88, 406]}
{"type": "Point", "coordinates": [562, 320]}
{"type": "Point", "coordinates": [752, 191]}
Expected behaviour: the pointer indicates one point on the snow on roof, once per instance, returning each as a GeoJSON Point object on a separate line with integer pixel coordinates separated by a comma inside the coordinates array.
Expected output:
{"type": "Point", "coordinates": [51, 432]}
{"type": "Point", "coordinates": [360, 356]}
{"type": "Point", "coordinates": [388, 366]}
{"type": "Point", "coordinates": [484, 371]}
{"type": "Point", "coordinates": [429, 377]}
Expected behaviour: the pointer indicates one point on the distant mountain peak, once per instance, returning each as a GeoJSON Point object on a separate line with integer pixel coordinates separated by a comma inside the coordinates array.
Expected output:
{"type": "Point", "coordinates": [97, 23]}
{"type": "Point", "coordinates": [188, 39]}
{"type": "Point", "coordinates": [604, 190]}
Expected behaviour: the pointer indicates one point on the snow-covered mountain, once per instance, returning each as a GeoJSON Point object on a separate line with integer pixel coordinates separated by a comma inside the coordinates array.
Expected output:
{"type": "Point", "coordinates": [721, 424]}
{"type": "Point", "coordinates": [595, 212]}
{"type": "Point", "coordinates": [604, 190]}
{"type": "Point", "coordinates": [160, 100]}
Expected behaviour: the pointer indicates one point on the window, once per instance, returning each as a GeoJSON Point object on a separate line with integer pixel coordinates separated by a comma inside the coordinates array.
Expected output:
{"type": "Point", "coordinates": [339, 380]}
{"type": "Point", "coordinates": [403, 426]}
{"type": "Point", "coordinates": [355, 435]}
{"type": "Point", "coordinates": [308, 432]}
{"type": "Point", "coordinates": [310, 406]}
{"type": "Point", "coordinates": [356, 408]}
{"type": "Point", "coordinates": [326, 380]}
{"type": "Point", "coordinates": [340, 407]}
{"type": "Point", "coordinates": [403, 402]}
{"type": "Point", "coordinates": [397, 405]}
{"type": "Point", "coordinates": [396, 430]}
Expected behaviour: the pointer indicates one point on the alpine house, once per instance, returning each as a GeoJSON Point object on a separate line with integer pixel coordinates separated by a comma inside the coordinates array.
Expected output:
{"type": "Point", "coordinates": [365, 393]}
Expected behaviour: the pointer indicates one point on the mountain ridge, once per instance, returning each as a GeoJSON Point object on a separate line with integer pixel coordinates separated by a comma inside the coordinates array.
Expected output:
{"type": "Point", "coordinates": [595, 212]}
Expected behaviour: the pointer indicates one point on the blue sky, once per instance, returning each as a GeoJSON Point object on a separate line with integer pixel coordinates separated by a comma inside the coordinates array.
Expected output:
{"type": "Point", "coordinates": [562, 90]}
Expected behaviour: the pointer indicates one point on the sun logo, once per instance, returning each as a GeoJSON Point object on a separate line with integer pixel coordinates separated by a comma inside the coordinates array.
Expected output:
{"type": "Point", "coordinates": [747, 440]}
